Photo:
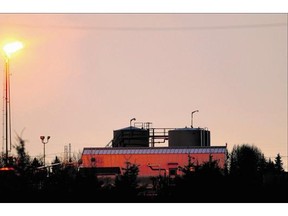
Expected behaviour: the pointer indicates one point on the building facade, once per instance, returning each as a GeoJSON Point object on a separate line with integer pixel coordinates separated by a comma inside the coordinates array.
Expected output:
{"type": "Point", "coordinates": [136, 146]}
{"type": "Point", "coordinates": [166, 161]}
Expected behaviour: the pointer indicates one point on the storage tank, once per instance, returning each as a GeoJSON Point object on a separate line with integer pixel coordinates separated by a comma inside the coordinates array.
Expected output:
{"type": "Point", "coordinates": [188, 137]}
{"type": "Point", "coordinates": [131, 137]}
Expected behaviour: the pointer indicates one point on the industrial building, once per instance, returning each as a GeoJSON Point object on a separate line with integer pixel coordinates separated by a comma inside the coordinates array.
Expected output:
{"type": "Point", "coordinates": [138, 144]}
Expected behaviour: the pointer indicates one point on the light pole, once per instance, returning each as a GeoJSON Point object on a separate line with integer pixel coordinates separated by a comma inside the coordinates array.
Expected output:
{"type": "Point", "coordinates": [43, 141]}
{"type": "Point", "coordinates": [8, 49]}
{"type": "Point", "coordinates": [192, 117]}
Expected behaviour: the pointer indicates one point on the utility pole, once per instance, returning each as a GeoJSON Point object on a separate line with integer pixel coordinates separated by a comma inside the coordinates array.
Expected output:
{"type": "Point", "coordinates": [44, 143]}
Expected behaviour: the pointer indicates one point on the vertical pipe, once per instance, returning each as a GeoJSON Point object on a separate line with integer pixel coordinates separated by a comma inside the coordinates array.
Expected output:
{"type": "Point", "coordinates": [9, 109]}
{"type": "Point", "coordinates": [44, 153]}
{"type": "Point", "coordinates": [200, 137]}
{"type": "Point", "coordinates": [192, 117]}
{"type": "Point", "coordinates": [153, 137]}
{"type": "Point", "coordinates": [6, 110]}
{"type": "Point", "coordinates": [69, 152]}
{"type": "Point", "coordinates": [3, 112]}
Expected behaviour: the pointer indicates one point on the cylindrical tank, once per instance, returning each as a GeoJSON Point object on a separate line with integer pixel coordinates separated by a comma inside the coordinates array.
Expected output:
{"type": "Point", "coordinates": [131, 137]}
{"type": "Point", "coordinates": [188, 137]}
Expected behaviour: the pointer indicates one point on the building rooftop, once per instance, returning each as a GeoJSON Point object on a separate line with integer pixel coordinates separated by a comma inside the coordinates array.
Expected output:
{"type": "Point", "coordinates": [157, 150]}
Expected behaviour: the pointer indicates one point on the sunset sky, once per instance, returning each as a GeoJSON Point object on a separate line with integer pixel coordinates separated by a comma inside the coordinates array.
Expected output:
{"type": "Point", "coordinates": [81, 76]}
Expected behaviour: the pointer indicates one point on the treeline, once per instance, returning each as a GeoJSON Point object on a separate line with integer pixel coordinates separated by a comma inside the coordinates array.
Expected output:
{"type": "Point", "coordinates": [246, 178]}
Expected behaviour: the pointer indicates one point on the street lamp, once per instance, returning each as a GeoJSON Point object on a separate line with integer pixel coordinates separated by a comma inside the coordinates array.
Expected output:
{"type": "Point", "coordinates": [192, 117]}
{"type": "Point", "coordinates": [43, 141]}
{"type": "Point", "coordinates": [8, 49]}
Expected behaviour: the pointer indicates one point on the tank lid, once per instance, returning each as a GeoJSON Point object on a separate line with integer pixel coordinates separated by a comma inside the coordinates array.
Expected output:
{"type": "Point", "coordinates": [189, 129]}
{"type": "Point", "coordinates": [130, 128]}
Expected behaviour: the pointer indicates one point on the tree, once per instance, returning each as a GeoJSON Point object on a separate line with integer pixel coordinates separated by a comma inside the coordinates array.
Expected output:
{"type": "Point", "coordinates": [270, 166]}
{"type": "Point", "coordinates": [2, 161]}
{"type": "Point", "coordinates": [246, 161]}
{"type": "Point", "coordinates": [23, 159]}
{"type": "Point", "coordinates": [56, 165]}
{"type": "Point", "coordinates": [189, 169]}
{"type": "Point", "coordinates": [126, 183]}
{"type": "Point", "coordinates": [129, 176]}
{"type": "Point", "coordinates": [21, 182]}
{"type": "Point", "coordinates": [202, 180]}
{"type": "Point", "coordinates": [246, 168]}
{"type": "Point", "coordinates": [278, 164]}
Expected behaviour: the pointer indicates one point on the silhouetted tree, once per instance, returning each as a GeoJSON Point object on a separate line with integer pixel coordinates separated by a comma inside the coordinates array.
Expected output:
{"type": "Point", "coordinates": [56, 165]}
{"type": "Point", "coordinates": [279, 164]}
{"type": "Point", "coordinates": [35, 163]}
{"type": "Point", "coordinates": [246, 168]}
{"type": "Point", "coordinates": [2, 162]}
{"type": "Point", "coordinates": [38, 177]}
{"type": "Point", "coordinates": [20, 178]}
{"type": "Point", "coordinates": [87, 185]}
{"type": "Point", "coordinates": [189, 169]}
{"type": "Point", "coordinates": [270, 167]}
{"type": "Point", "coordinates": [246, 161]}
{"type": "Point", "coordinates": [126, 183]}
{"type": "Point", "coordinates": [186, 184]}
{"type": "Point", "coordinates": [23, 161]}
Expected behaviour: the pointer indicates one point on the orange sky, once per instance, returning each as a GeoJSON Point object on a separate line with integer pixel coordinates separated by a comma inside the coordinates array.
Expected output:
{"type": "Point", "coordinates": [81, 76]}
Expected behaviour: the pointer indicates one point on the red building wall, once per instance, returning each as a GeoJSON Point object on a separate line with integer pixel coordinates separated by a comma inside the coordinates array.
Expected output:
{"type": "Point", "coordinates": [159, 162]}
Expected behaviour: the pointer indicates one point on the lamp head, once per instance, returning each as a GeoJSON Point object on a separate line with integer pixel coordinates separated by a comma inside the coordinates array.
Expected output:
{"type": "Point", "coordinates": [42, 137]}
{"type": "Point", "coordinates": [10, 48]}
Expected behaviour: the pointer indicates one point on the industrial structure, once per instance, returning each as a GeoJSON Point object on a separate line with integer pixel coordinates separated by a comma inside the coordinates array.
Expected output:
{"type": "Point", "coordinates": [137, 145]}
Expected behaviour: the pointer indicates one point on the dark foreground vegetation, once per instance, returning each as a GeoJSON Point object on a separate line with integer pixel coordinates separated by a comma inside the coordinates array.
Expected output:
{"type": "Point", "coordinates": [247, 178]}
